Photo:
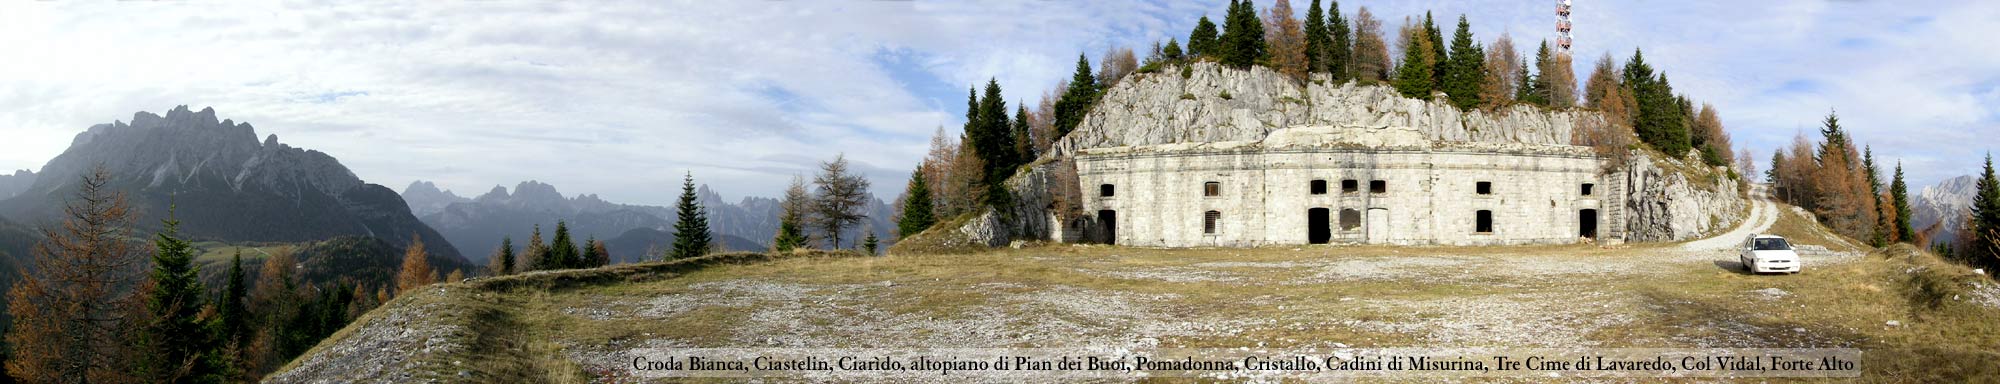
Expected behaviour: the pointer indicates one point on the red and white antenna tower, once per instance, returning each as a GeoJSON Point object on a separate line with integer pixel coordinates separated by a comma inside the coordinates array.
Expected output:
{"type": "Point", "coordinates": [1562, 25]}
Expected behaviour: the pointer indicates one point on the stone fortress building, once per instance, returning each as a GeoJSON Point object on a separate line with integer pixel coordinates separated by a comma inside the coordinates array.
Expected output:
{"type": "Point", "coordinates": [1321, 185]}
{"type": "Point", "coordinates": [1201, 155]}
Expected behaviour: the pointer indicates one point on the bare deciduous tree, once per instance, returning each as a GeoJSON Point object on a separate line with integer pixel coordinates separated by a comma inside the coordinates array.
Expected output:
{"type": "Point", "coordinates": [841, 195]}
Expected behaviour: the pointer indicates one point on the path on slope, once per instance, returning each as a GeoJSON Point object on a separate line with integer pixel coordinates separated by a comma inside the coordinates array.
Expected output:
{"type": "Point", "coordinates": [1762, 215]}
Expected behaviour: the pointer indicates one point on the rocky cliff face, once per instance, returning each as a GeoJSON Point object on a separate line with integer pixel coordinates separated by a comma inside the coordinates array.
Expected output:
{"type": "Point", "coordinates": [1944, 205]}
{"type": "Point", "coordinates": [1209, 103]}
{"type": "Point", "coordinates": [225, 183]}
{"type": "Point", "coordinates": [1677, 199]}
{"type": "Point", "coordinates": [425, 198]}
{"type": "Point", "coordinates": [1205, 102]}
{"type": "Point", "coordinates": [11, 185]}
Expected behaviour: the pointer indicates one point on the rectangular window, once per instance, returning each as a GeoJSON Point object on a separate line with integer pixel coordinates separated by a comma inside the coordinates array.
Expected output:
{"type": "Point", "coordinates": [1350, 186]}
{"type": "Point", "coordinates": [1211, 189]}
{"type": "Point", "coordinates": [1208, 221]}
{"type": "Point", "coordinates": [1588, 189]}
{"type": "Point", "coordinates": [1319, 187]}
{"type": "Point", "coordinates": [1483, 222]}
{"type": "Point", "coordinates": [1483, 188]}
{"type": "Point", "coordinates": [1104, 190]}
{"type": "Point", "coordinates": [1378, 186]}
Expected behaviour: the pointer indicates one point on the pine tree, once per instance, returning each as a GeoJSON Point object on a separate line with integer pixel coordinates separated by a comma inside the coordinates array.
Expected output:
{"type": "Point", "coordinates": [691, 232]}
{"type": "Point", "coordinates": [1173, 50]}
{"type": "Point", "coordinates": [1319, 40]}
{"type": "Point", "coordinates": [502, 262]}
{"type": "Point", "coordinates": [1527, 91]}
{"type": "Point", "coordinates": [1371, 50]}
{"type": "Point", "coordinates": [991, 134]}
{"type": "Point", "coordinates": [1413, 76]}
{"type": "Point", "coordinates": [593, 254]}
{"type": "Point", "coordinates": [1465, 69]}
{"type": "Point", "coordinates": [1339, 56]}
{"type": "Point", "coordinates": [563, 253]}
{"type": "Point", "coordinates": [1985, 219]}
{"type": "Point", "coordinates": [234, 312]}
{"type": "Point", "coordinates": [1200, 42]}
{"type": "Point", "coordinates": [177, 338]}
{"type": "Point", "coordinates": [536, 252]}
{"type": "Point", "coordinates": [916, 207]}
{"type": "Point", "coordinates": [1076, 102]}
{"type": "Point", "coordinates": [869, 243]}
{"type": "Point", "coordinates": [1899, 195]}
{"type": "Point", "coordinates": [1658, 119]}
{"type": "Point", "coordinates": [1437, 52]}
{"type": "Point", "coordinates": [791, 217]}
{"type": "Point", "coordinates": [416, 270]}
{"type": "Point", "coordinates": [1242, 36]}
{"type": "Point", "coordinates": [1883, 227]}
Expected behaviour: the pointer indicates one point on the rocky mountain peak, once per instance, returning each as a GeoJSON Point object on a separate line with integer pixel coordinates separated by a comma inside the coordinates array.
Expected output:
{"type": "Point", "coordinates": [1944, 205]}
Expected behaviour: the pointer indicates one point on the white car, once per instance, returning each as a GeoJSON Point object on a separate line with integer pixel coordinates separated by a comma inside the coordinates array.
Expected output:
{"type": "Point", "coordinates": [1768, 254]}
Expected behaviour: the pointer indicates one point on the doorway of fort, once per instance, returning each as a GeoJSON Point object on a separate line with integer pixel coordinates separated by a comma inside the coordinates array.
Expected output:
{"type": "Point", "coordinates": [1378, 225]}
{"type": "Point", "coordinates": [1109, 220]}
{"type": "Point", "coordinates": [1318, 227]}
{"type": "Point", "coordinates": [1586, 224]}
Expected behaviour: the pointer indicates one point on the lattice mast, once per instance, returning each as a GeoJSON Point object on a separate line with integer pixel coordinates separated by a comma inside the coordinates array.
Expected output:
{"type": "Point", "coordinates": [1562, 26]}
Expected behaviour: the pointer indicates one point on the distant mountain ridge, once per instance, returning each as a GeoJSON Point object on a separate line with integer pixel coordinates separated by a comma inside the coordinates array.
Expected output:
{"type": "Point", "coordinates": [223, 184]}
{"type": "Point", "coordinates": [1944, 205]}
{"type": "Point", "coordinates": [631, 232]}
{"type": "Point", "coordinates": [11, 185]}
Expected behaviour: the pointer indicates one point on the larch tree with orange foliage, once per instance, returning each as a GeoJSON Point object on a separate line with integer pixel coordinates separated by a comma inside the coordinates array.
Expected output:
{"type": "Point", "coordinates": [70, 311]}
{"type": "Point", "coordinates": [416, 271]}
{"type": "Point", "coordinates": [1286, 41]}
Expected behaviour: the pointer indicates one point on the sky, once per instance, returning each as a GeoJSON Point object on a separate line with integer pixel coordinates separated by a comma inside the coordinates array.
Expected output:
{"type": "Point", "coordinates": [621, 98]}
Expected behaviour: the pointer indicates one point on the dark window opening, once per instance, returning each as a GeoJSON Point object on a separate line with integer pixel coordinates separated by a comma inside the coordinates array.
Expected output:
{"type": "Point", "coordinates": [1319, 187]}
{"type": "Point", "coordinates": [1483, 222]}
{"type": "Point", "coordinates": [1350, 186]}
{"type": "Point", "coordinates": [1483, 188]}
{"type": "Point", "coordinates": [1589, 189]}
{"type": "Point", "coordinates": [1350, 219]}
{"type": "Point", "coordinates": [1211, 189]}
{"type": "Point", "coordinates": [1105, 190]}
{"type": "Point", "coordinates": [1378, 186]}
{"type": "Point", "coordinates": [1318, 229]}
{"type": "Point", "coordinates": [1208, 221]}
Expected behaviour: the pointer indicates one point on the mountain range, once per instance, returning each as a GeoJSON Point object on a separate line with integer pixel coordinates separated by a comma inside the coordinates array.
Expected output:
{"type": "Point", "coordinates": [1944, 205]}
{"type": "Point", "coordinates": [630, 232]}
{"type": "Point", "coordinates": [221, 183]}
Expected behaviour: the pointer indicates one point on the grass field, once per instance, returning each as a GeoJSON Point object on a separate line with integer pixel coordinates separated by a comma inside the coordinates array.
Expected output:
{"type": "Point", "coordinates": [1917, 319]}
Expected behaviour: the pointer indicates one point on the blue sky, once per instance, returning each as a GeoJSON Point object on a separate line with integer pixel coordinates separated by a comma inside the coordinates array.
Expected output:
{"type": "Point", "coordinates": [619, 98]}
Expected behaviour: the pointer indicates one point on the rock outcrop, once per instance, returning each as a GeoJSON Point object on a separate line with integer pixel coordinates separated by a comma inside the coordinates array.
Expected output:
{"type": "Point", "coordinates": [1677, 199]}
{"type": "Point", "coordinates": [11, 185]}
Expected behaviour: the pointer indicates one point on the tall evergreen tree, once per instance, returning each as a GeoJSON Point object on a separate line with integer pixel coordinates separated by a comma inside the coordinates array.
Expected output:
{"type": "Point", "coordinates": [869, 243]}
{"type": "Point", "coordinates": [1528, 91]}
{"type": "Point", "coordinates": [1173, 50]}
{"type": "Point", "coordinates": [1437, 52]}
{"type": "Point", "coordinates": [792, 216]}
{"type": "Point", "coordinates": [1985, 228]}
{"type": "Point", "coordinates": [531, 260]}
{"type": "Point", "coordinates": [1024, 144]}
{"type": "Point", "coordinates": [916, 206]}
{"type": "Point", "coordinates": [1884, 224]}
{"type": "Point", "coordinates": [502, 262]}
{"type": "Point", "coordinates": [1340, 56]}
{"type": "Point", "coordinates": [1202, 40]}
{"type": "Point", "coordinates": [235, 312]}
{"type": "Point", "coordinates": [1659, 119]}
{"type": "Point", "coordinates": [593, 254]}
{"type": "Point", "coordinates": [1242, 36]}
{"type": "Point", "coordinates": [1465, 69]}
{"type": "Point", "coordinates": [1899, 195]}
{"type": "Point", "coordinates": [1413, 76]}
{"type": "Point", "coordinates": [1319, 40]}
{"type": "Point", "coordinates": [563, 253]}
{"type": "Point", "coordinates": [1076, 102]}
{"type": "Point", "coordinates": [691, 234]}
{"type": "Point", "coordinates": [177, 338]}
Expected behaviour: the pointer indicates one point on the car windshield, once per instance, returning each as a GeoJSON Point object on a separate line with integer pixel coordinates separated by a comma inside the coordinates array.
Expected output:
{"type": "Point", "coordinates": [1771, 244]}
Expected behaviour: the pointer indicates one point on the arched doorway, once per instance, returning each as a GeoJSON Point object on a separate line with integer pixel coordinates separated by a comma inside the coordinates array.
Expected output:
{"type": "Point", "coordinates": [1318, 226]}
